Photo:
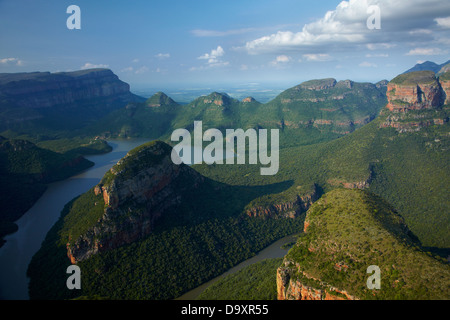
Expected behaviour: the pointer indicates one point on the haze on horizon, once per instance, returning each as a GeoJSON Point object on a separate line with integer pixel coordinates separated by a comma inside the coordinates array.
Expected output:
{"type": "Point", "coordinates": [248, 44]}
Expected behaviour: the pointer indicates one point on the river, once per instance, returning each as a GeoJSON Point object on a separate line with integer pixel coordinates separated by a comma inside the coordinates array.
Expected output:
{"type": "Point", "coordinates": [16, 253]}
{"type": "Point", "coordinates": [273, 251]}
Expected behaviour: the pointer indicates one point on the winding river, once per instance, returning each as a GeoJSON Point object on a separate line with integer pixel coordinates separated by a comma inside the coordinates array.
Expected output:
{"type": "Point", "coordinates": [16, 253]}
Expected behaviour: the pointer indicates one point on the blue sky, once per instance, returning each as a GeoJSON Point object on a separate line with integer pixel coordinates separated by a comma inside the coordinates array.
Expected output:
{"type": "Point", "coordinates": [189, 43]}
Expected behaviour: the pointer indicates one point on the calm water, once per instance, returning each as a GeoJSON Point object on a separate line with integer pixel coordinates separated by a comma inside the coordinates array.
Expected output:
{"type": "Point", "coordinates": [16, 253]}
{"type": "Point", "coordinates": [273, 251]}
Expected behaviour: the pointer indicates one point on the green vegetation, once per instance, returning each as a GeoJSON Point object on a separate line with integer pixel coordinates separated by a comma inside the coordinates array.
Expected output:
{"type": "Point", "coordinates": [166, 264]}
{"type": "Point", "coordinates": [350, 230]}
{"type": "Point", "coordinates": [446, 74]}
{"type": "Point", "coordinates": [25, 169]}
{"type": "Point", "coordinates": [415, 77]}
{"type": "Point", "coordinates": [254, 282]}
{"type": "Point", "coordinates": [407, 169]}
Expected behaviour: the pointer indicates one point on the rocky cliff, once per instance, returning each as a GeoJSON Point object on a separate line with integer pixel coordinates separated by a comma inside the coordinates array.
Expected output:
{"type": "Point", "coordinates": [284, 209]}
{"type": "Point", "coordinates": [415, 91]}
{"type": "Point", "coordinates": [416, 100]}
{"type": "Point", "coordinates": [46, 90]}
{"type": "Point", "coordinates": [64, 101]}
{"type": "Point", "coordinates": [136, 193]}
{"type": "Point", "coordinates": [345, 232]}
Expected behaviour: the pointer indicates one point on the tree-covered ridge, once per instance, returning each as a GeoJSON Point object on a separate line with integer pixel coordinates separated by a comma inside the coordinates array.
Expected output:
{"type": "Point", "coordinates": [304, 116]}
{"type": "Point", "coordinates": [349, 230]}
{"type": "Point", "coordinates": [24, 170]}
{"type": "Point", "coordinates": [407, 169]}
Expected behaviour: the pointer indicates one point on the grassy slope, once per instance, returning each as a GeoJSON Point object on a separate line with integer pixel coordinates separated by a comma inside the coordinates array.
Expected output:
{"type": "Point", "coordinates": [410, 170]}
{"type": "Point", "coordinates": [357, 229]}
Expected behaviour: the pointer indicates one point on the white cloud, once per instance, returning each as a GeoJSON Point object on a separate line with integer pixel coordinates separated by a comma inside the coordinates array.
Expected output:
{"type": "Point", "coordinates": [346, 25]}
{"type": "Point", "coordinates": [128, 69]}
{"type": "Point", "coordinates": [215, 53]}
{"type": "Point", "coordinates": [89, 65]}
{"type": "Point", "coordinates": [378, 46]}
{"type": "Point", "coordinates": [136, 60]}
{"type": "Point", "coordinates": [163, 55]}
{"type": "Point", "coordinates": [317, 57]}
{"type": "Point", "coordinates": [280, 60]}
{"type": "Point", "coordinates": [366, 64]}
{"type": "Point", "coordinates": [213, 58]}
{"type": "Point", "coordinates": [141, 70]}
{"type": "Point", "coordinates": [377, 55]}
{"type": "Point", "coordinates": [12, 61]}
{"type": "Point", "coordinates": [425, 52]}
{"type": "Point", "coordinates": [443, 22]}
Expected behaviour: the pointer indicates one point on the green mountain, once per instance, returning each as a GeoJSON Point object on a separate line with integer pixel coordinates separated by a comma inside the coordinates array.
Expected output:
{"type": "Point", "coordinates": [346, 231]}
{"type": "Point", "coordinates": [152, 230]}
{"type": "Point", "coordinates": [25, 169]}
{"type": "Point", "coordinates": [53, 104]}
{"type": "Point", "coordinates": [428, 66]}
{"type": "Point", "coordinates": [401, 156]}
{"type": "Point", "coordinates": [312, 112]}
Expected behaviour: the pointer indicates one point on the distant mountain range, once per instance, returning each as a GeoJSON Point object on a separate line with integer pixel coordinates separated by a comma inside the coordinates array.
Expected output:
{"type": "Point", "coordinates": [153, 230]}
{"type": "Point", "coordinates": [431, 66]}
{"type": "Point", "coordinates": [371, 197]}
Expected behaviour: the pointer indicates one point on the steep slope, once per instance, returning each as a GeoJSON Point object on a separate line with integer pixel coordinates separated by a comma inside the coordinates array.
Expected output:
{"type": "Point", "coordinates": [136, 192]}
{"type": "Point", "coordinates": [329, 105]}
{"type": "Point", "coordinates": [401, 156]}
{"type": "Point", "coordinates": [347, 231]}
{"type": "Point", "coordinates": [54, 102]}
{"type": "Point", "coordinates": [153, 230]}
{"type": "Point", "coordinates": [151, 118]}
{"type": "Point", "coordinates": [24, 171]}
{"type": "Point", "coordinates": [315, 111]}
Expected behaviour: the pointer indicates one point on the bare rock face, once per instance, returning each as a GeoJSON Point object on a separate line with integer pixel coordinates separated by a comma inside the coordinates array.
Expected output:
{"type": "Point", "coordinates": [415, 91]}
{"type": "Point", "coordinates": [445, 84]}
{"type": "Point", "coordinates": [137, 192]}
{"type": "Point", "coordinates": [248, 100]}
{"type": "Point", "coordinates": [291, 288]}
{"type": "Point", "coordinates": [287, 209]}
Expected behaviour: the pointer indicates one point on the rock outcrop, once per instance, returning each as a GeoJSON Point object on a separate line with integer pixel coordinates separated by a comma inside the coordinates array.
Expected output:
{"type": "Point", "coordinates": [137, 192]}
{"type": "Point", "coordinates": [346, 232]}
{"type": "Point", "coordinates": [292, 288]}
{"type": "Point", "coordinates": [285, 209]}
{"type": "Point", "coordinates": [412, 94]}
{"type": "Point", "coordinates": [415, 91]}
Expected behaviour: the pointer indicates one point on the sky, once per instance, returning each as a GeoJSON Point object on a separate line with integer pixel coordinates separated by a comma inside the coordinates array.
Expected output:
{"type": "Point", "coordinates": [239, 43]}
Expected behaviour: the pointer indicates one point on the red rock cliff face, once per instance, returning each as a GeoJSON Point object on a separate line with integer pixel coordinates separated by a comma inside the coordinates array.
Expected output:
{"type": "Point", "coordinates": [415, 91]}
{"type": "Point", "coordinates": [446, 87]}
{"type": "Point", "coordinates": [419, 91]}
{"type": "Point", "coordinates": [135, 199]}
{"type": "Point", "coordinates": [290, 287]}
